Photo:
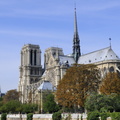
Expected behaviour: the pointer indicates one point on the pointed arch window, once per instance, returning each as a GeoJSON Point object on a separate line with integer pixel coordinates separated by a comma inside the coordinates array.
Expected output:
{"type": "Point", "coordinates": [35, 57]}
{"type": "Point", "coordinates": [31, 55]}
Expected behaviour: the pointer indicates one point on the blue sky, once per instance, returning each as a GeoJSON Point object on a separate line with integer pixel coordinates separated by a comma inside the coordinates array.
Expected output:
{"type": "Point", "coordinates": [50, 23]}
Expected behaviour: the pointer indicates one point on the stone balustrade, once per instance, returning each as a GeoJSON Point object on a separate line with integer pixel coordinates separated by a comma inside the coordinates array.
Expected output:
{"type": "Point", "coordinates": [45, 116]}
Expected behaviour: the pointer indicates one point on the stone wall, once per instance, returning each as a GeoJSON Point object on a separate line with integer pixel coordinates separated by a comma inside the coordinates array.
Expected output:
{"type": "Point", "coordinates": [45, 116]}
{"type": "Point", "coordinates": [16, 117]}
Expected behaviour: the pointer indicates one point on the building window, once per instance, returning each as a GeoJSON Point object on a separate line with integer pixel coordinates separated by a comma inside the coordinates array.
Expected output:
{"type": "Point", "coordinates": [111, 69]}
{"type": "Point", "coordinates": [31, 71]}
{"type": "Point", "coordinates": [36, 80]}
{"type": "Point", "coordinates": [35, 55]}
{"type": "Point", "coordinates": [31, 55]}
{"type": "Point", "coordinates": [31, 81]}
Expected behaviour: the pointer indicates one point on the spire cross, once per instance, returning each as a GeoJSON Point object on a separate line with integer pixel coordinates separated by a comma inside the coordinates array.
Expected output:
{"type": "Point", "coordinates": [110, 42]}
{"type": "Point", "coordinates": [75, 5]}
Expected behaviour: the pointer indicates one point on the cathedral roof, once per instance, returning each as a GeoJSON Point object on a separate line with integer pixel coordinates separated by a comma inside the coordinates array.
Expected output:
{"type": "Point", "coordinates": [66, 59]}
{"type": "Point", "coordinates": [46, 85]}
{"type": "Point", "coordinates": [98, 56]}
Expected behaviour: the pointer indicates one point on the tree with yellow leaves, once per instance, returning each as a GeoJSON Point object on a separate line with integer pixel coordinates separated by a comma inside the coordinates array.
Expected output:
{"type": "Point", "coordinates": [78, 82]}
{"type": "Point", "coordinates": [110, 84]}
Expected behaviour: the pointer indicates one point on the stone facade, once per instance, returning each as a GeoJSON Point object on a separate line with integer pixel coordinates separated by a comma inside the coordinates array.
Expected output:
{"type": "Point", "coordinates": [30, 71]}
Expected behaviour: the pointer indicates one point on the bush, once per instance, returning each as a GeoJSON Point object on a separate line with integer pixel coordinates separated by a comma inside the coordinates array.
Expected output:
{"type": "Point", "coordinates": [104, 116]}
{"type": "Point", "coordinates": [56, 116]}
{"type": "Point", "coordinates": [93, 115]}
{"type": "Point", "coordinates": [115, 116]}
{"type": "Point", "coordinates": [3, 116]}
{"type": "Point", "coordinates": [29, 116]}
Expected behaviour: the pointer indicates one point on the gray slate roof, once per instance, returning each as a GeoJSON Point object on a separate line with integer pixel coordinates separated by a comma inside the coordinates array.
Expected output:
{"type": "Point", "coordinates": [64, 59]}
{"type": "Point", "coordinates": [98, 56]}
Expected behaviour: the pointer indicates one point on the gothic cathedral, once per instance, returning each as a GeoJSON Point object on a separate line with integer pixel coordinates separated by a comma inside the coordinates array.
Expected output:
{"type": "Point", "coordinates": [56, 63]}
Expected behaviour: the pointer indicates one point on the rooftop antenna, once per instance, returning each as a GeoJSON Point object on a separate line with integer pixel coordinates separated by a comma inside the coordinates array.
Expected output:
{"type": "Point", "coordinates": [110, 42]}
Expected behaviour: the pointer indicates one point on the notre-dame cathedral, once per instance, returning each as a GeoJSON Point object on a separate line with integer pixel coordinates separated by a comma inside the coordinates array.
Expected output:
{"type": "Point", "coordinates": [32, 74]}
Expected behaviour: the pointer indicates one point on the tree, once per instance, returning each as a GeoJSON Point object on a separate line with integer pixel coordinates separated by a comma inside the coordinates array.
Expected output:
{"type": "Point", "coordinates": [29, 108]}
{"type": "Point", "coordinates": [99, 102]}
{"type": "Point", "coordinates": [78, 82]}
{"type": "Point", "coordinates": [1, 99]}
{"type": "Point", "coordinates": [116, 101]}
{"type": "Point", "coordinates": [57, 116]}
{"type": "Point", "coordinates": [11, 95]}
{"type": "Point", "coordinates": [13, 106]}
{"type": "Point", "coordinates": [110, 84]}
{"type": "Point", "coordinates": [50, 105]}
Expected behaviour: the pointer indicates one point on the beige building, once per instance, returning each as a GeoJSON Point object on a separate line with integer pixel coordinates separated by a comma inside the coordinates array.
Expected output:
{"type": "Point", "coordinates": [56, 63]}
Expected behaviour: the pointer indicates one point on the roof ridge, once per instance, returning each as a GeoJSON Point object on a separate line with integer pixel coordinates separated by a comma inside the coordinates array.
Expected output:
{"type": "Point", "coordinates": [66, 56]}
{"type": "Point", "coordinates": [95, 51]}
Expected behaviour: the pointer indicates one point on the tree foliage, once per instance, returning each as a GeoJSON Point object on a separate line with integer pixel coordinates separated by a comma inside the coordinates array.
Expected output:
{"type": "Point", "coordinates": [99, 102]}
{"type": "Point", "coordinates": [110, 84]}
{"type": "Point", "coordinates": [1, 98]}
{"type": "Point", "coordinates": [30, 116]}
{"type": "Point", "coordinates": [11, 95]}
{"type": "Point", "coordinates": [50, 105]}
{"type": "Point", "coordinates": [29, 108]}
{"type": "Point", "coordinates": [93, 115]}
{"type": "Point", "coordinates": [78, 82]}
{"type": "Point", "coordinates": [3, 116]}
{"type": "Point", "coordinates": [103, 103]}
{"type": "Point", "coordinates": [56, 116]}
{"type": "Point", "coordinates": [12, 106]}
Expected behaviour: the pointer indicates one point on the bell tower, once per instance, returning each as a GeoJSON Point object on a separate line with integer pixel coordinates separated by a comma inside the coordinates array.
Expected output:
{"type": "Point", "coordinates": [30, 70]}
{"type": "Point", "coordinates": [76, 40]}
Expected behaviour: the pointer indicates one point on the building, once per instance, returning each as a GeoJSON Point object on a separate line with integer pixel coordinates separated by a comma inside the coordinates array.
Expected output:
{"type": "Point", "coordinates": [56, 63]}
{"type": "Point", "coordinates": [1, 94]}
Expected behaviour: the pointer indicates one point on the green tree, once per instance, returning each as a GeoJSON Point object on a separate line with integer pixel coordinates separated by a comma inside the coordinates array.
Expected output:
{"type": "Point", "coordinates": [116, 101]}
{"type": "Point", "coordinates": [1, 99]}
{"type": "Point", "coordinates": [50, 105]}
{"type": "Point", "coordinates": [29, 108]}
{"type": "Point", "coordinates": [12, 106]}
{"type": "Point", "coordinates": [78, 82]}
{"type": "Point", "coordinates": [93, 115]}
{"type": "Point", "coordinates": [3, 116]}
{"type": "Point", "coordinates": [11, 95]}
{"type": "Point", "coordinates": [99, 102]}
{"type": "Point", "coordinates": [30, 116]}
{"type": "Point", "coordinates": [57, 116]}
{"type": "Point", "coordinates": [110, 84]}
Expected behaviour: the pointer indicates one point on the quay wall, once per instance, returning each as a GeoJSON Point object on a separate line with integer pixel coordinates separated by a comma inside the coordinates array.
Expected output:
{"type": "Point", "coordinates": [45, 116]}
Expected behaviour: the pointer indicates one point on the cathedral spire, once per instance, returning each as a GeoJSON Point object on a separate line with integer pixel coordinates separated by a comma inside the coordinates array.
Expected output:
{"type": "Point", "coordinates": [76, 41]}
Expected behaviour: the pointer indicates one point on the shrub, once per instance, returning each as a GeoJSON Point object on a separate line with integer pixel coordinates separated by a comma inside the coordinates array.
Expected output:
{"type": "Point", "coordinates": [3, 116]}
{"type": "Point", "coordinates": [56, 116]}
{"type": "Point", "coordinates": [115, 116]}
{"type": "Point", "coordinates": [93, 115]}
{"type": "Point", "coordinates": [104, 116]}
{"type": "Point", "coordinates": [29, 116]}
